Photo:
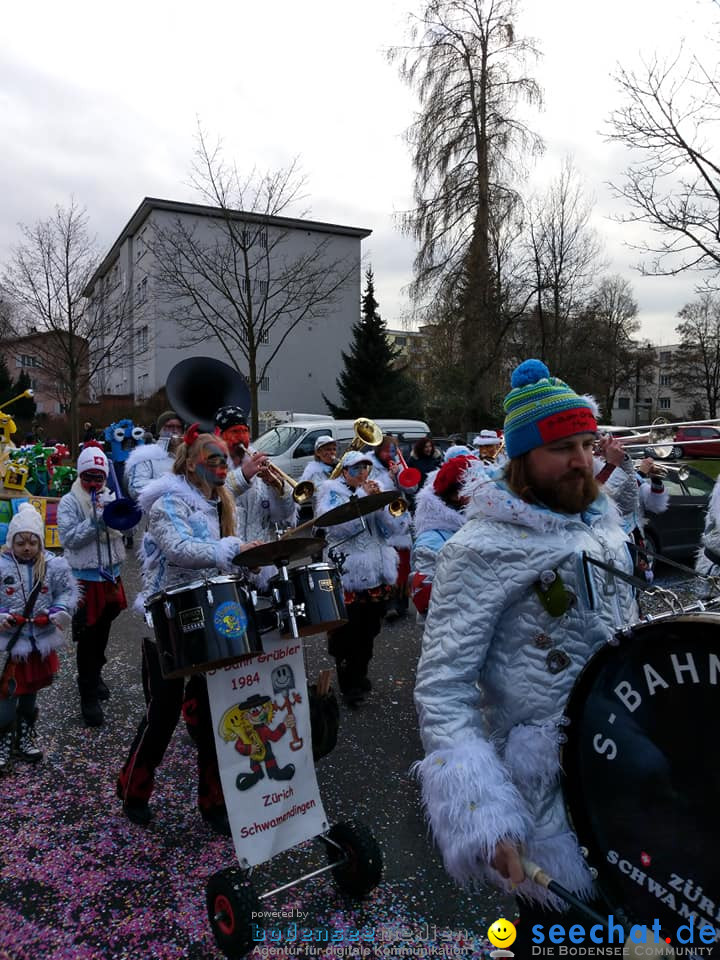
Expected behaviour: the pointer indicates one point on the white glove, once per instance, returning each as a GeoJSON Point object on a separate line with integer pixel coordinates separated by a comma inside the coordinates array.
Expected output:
{"type": "Point", "coordinates": [61, 619]}
{"type": "Point", "coordinates": [7, 621]}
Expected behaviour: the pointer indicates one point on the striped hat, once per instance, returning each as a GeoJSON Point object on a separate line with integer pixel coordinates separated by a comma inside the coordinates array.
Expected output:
{"type": "Point", "coordinates": [540, 409]}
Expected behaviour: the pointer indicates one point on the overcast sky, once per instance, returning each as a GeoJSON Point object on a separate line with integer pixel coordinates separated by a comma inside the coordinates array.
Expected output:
{"type": "Point", "coordinates": [100, 101]}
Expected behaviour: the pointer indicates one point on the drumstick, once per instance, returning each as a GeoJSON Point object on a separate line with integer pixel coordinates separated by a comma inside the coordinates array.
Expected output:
{"type": "Point", "coordinates": [632, 949]}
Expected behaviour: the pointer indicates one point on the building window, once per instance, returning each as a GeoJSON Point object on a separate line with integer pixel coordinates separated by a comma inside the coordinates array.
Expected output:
{"type": "Point", "coordinates": [664, 380]}
{"type": "Point", "coordinates": [141, 338]}
{"type": "Point", "coordinates": [139, 245]}
{"type": "Point", "coordinates": [25, 360]}
{"type": "Point", "coordinates": [142, 386]}
{"type": "Point", "coordinates": [141, 291]}
{"type": "Point", "coordinates": [666, 357]}
{"type": "Point", "coordinates": [623, 403]}
{"type": "Point", "coordinates": [262, 237]}
{"type": "Point", "coordinates": [400, 341]}
{"type": "Point", "coordinates": [265, 384]}
{"type": "Point", "coordinates": [664, 403]}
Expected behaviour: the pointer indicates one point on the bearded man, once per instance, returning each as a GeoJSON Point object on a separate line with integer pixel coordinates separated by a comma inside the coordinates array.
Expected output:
{"type": "Point", "coordinates": [516, 611]}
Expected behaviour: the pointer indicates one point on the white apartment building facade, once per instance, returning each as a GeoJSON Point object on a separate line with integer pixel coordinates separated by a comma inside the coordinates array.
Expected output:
{"type": "Point", "coordinates": [652, 395]}
{"type": "Point", "coordinates": [126, 286]}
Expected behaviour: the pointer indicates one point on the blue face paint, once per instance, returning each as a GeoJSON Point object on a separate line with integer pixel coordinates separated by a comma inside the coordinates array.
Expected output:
{"type": "Point", "coordinates": [357, 469]}
{"type": "Point", "coordinates": [212, 470]}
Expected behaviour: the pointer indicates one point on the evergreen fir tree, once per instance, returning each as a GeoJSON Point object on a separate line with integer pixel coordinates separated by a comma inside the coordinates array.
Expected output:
{"type": "Point", "coordinates": [370, 385]}
{"type": "Point", "coordinates": [25, 408]}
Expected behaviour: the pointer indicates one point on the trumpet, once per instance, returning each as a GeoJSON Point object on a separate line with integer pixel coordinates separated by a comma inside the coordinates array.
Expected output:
{"type": "Point", "coordinates": [667, 470]}
{"type": "Point", "coordinates": [367, 434]}
{"type": "Point", "coordinates": [303, 490]}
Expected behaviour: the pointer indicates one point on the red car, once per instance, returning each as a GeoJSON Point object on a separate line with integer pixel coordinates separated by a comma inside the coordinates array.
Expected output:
{"type": "Point", "coordinates": [686, 442]}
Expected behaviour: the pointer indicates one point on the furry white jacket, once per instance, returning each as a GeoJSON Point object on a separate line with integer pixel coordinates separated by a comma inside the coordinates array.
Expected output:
{"type": "Point", "coordinates": [434, 523]}
{"type": "Point", "coordinates": [183, 541]}
{"type": "Point", "coordinates": [711, 536]}
{"type": "Point", "coordinates": [145, 463]}
{"type": "Point", "coordinates": [496, 670]}
{"type": "Point", "coordinates": [401, 536]}
{"type": "Point", "coordinates": [58, 592]}
{"type": "Point", "coordinates": [80, 534]}
{"type": "Point", "coordinates": [369, 559]}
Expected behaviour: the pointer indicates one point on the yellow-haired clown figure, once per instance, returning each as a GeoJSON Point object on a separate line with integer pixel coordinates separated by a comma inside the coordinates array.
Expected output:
{"type": "Point", "coordinates": [247, 723]}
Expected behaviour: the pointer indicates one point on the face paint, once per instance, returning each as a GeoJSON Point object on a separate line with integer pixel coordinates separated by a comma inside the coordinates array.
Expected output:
{"type": "Point", "coordinates": [233, 436]}
{"type": "Point", "coordinates": [212, 468]}
{"type": "Point", "coordinates": [92, 480]}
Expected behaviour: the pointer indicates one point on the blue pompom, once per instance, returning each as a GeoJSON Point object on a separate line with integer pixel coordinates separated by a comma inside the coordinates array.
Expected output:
{"type": "Point", "coordinates": [529, 371]}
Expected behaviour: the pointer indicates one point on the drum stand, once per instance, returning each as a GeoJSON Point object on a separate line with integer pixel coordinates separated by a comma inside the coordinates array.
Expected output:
{"type": "Point", "coordinates": [355, 860]}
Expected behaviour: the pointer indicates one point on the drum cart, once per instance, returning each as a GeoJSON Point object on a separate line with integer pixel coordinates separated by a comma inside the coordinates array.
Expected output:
{"type": "Point", "coordinates": [354, 857]}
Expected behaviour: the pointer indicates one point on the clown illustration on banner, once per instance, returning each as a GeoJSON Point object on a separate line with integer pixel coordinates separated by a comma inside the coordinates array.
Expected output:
{"type": "Point", "coordinates": [262, 736]}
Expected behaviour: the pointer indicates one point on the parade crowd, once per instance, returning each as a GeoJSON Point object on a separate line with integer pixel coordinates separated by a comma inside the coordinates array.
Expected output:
{"type": "Point", "coordinates": [486, 556]}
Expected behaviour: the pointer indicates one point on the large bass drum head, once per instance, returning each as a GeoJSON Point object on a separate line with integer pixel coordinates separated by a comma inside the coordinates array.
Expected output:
{"type": "Point", "coordinates": [641, 770]}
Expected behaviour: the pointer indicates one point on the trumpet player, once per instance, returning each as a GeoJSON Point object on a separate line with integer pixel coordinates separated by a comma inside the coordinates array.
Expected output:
{"type": "Point", "coordinates": [95, 553]}
{"type": "Point", "coordinates": [262, 498]}
{"type": "Point", "coordinates": [369, 571]}
{"type": "Point", "coordinates": [387, 466]}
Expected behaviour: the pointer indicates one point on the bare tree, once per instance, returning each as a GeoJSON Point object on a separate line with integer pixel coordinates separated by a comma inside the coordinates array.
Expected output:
{"type": "Point", "coordinates": [46, 279]}
{"type": "Point", "coordinates": [565, 253]}
{"type": "Point", "coordinates": [239, 278]}
{"type": "Point", "coordinates": [468, 65]}
{"type": "Point", "coordinates": [696, 364]}
{"type": "Point", "coordinates": [615, 360]}
{"type": "Point", "coordinates": [671, 120]}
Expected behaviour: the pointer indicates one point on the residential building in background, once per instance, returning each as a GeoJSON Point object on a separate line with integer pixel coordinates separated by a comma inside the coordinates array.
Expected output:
{"type": "Point", "coordinates": [36, 354]}
{"type": "Point", "coordinates": [307, 364]}
{"type": "Point", "coordinates": [652, 394]}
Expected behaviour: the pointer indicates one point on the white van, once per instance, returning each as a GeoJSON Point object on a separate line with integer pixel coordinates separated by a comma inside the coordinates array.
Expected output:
{"type": "Point", "coordinates": [292, 445]}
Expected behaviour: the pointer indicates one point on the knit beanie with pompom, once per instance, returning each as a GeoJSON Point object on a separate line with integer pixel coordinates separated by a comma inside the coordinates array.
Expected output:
{"type": "Point", "coordinates": [541, 409]}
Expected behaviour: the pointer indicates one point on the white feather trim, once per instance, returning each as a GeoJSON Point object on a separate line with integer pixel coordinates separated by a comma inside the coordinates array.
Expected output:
{"type": "Point", "coordinates": [532, 756]}
{"type": "Point", "coordinates": [432, 513]}
{"type": "Point", "coordinates": [471, 804]}
{"type": "Point", "coordinates": [170, 483]}
{"type": "Point", "coordinates": [654, 502]}
{"type": "Point", "coordinates": [226, 549]}
{"type": "Point", "coordinates": [147, 451]}
{"type": "Point", "coordinates": [594, 405]}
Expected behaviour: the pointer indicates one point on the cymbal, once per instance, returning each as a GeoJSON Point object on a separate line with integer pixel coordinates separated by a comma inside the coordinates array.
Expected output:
{"type": "Point", "coordinates": [279, 551]}
{"type": "Point", "coordinates": [355, 507]}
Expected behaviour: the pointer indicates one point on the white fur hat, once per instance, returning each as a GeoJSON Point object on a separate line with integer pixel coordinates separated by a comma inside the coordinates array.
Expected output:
{"type": "Point", "coordinates": [26, 520]}
{"type": "Point", "coordinates": [354, 457]}
{"type": "Point", "coordinates": [92, 458]}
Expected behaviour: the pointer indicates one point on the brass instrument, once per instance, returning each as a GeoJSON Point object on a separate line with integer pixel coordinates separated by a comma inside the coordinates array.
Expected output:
{"type": "Point", "coordinates": [367, 434]}
{"type": "Point", "coordinates": [396, 508]}
{"type": "Point", "coordinates": [667, 470]}
{"type": "Point", "coordinates": [303, 490]}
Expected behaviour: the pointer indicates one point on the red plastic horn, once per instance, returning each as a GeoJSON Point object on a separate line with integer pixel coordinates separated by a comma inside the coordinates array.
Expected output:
{"type": "Point", "coordinates": [409, 479]}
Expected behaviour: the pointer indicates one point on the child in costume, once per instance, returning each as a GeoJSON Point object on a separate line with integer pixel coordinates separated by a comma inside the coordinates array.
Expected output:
{"type": "Point", "coordinates": [38, 595]}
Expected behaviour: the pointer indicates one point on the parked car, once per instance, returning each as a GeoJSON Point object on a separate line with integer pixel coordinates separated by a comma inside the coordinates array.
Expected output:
{"type": "Point", "coordinates": [676, 533]}
{"type": "Point", "coordinates": [686, 442]}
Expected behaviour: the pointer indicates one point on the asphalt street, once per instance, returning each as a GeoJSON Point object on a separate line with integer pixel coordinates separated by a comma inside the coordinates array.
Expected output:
{"type": "Point", "coordinates": [79, 882]}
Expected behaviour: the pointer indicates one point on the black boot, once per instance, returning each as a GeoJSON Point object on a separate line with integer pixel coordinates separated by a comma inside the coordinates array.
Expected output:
{"type": "Point", "coordinates": [281, 773]}
{"type": "Point", "coordinates": [26, 747]}
{"type": "Point", "coordinates": [7, 739]}
{"type": "Point", "coordinates": [246, 780]}
{"type": "Point", "coordinates": [89, 703]}
{"type": "Point", "coordinates": [217, 819]}
{"type": "Point", "coordinates": [103, 693]}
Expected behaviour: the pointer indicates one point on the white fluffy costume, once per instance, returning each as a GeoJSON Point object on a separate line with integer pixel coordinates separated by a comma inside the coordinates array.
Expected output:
{"type": "Point", "coordinates": [434, 523]}
{"type": "Point", "coordinates": [704, 564]}
{"type": "Point", "coordinates": [59, 592]}
{"type": "Point", "coordinates": [370, 559]}
{"type": "Point", "coordinates": [496, 670]}
{"type": "Point", "coordinates": [183, 540]}
{"type": "Point", "coordinates": [145, 463]}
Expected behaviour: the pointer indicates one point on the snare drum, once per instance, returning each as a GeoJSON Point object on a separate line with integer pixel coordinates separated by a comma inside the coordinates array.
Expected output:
{"type": "Point", "coordinates": [318, 587]}
{"type": "Point", "coordinates": [203, 625]}
{"type": "Point", "coordinates": [641, 769]}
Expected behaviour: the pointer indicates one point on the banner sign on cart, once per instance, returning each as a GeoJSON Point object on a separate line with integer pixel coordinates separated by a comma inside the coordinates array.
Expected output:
{"type": "Point", "coordinates": [261, 720]}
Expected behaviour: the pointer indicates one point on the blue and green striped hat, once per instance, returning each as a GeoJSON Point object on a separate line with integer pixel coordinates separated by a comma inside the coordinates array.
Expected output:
{"type": "Point", "coordinates": [540, 409]}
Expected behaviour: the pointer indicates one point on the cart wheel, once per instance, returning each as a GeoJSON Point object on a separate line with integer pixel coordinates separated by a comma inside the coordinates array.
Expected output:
{"type": "Point", "coordinates": [231, 901]}
{"type": "Point", "coordinates": [363, 866]}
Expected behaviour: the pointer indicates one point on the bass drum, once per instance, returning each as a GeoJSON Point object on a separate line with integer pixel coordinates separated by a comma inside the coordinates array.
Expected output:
{"type": "Point", "coordinates": [202, 626]}
{"type": "Point", "coordinates": [641, 770]}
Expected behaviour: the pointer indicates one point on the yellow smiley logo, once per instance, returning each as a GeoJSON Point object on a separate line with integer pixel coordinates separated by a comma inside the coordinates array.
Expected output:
{"type": "Point", "coordinates": [502, 933]}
